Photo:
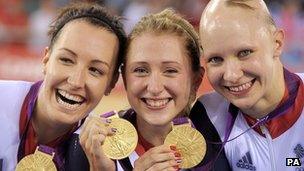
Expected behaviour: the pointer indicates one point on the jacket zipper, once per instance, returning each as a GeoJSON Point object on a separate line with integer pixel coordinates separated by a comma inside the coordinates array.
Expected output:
{"type": "Point", "coordinates": [269, 141]}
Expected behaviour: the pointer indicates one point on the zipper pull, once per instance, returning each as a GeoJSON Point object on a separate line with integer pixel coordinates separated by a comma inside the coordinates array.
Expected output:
{"type": "Point", "coordinates": [264, 130]}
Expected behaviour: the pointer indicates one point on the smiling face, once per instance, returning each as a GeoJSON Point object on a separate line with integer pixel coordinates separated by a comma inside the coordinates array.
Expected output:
{"type": "Point", "coordinates": [78, 70]}
{"type": "Point", "coordinates": [157, 77]}
{"type": "Point", "coordinates": [242, 59]}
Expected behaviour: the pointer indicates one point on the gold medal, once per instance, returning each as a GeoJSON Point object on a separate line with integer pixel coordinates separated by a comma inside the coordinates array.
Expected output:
{"type": "Point", "coordinates": [123, 142]}
{"type": "Point", "coordinates": [37, 162]}
{"type": "Point", "coordinates": [189, 142]}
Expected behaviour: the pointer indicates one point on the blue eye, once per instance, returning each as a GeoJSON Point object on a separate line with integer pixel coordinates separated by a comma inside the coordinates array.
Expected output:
{"type": "Point", "coordinates": [215, 60]}
{"type": "Point", "coordinates": [244, 53]}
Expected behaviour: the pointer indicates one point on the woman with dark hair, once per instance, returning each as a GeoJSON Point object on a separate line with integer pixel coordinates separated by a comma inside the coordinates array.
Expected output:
{"type": "Point", "coordinates": [79, 66]}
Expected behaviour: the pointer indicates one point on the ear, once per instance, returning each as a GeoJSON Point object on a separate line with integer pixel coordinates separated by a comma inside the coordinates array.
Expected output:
{"type": "Point", "coordinates": [45, 59]}
{"type": "Point", "coordinates": [197, 80]}
{"type": "Point", "coordinates": [279, 36]}
{"type": "Point", "coordinates": [112, 83]}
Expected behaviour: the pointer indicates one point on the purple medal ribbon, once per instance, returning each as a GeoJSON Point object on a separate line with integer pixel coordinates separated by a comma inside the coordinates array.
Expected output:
{"type": "Point", "coordinates": [108, 114]}
{"type": "Point", "coordinates": [180, 120]}
{"type": "Point", "coordinates": [292, 81]}
{"type": "Point", "coordinates": [32, 96]}
{"type": "Point", "coordinates": [46, 149]}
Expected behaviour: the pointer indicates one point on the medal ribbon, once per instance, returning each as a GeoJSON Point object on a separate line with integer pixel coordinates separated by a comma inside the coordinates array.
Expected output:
{"type": "Point", "coordinates": [27, 110]}
{"type": "Point", "coordinates": [108, 114]}
{"type": "Point", "coordinates": [46, 149]}
{"type": "Point", "coordinates": [180, 121]}
{"type": "Point", "coordinates": [294, 87]}
{"type": "Point", "coordinates": [26, 115]}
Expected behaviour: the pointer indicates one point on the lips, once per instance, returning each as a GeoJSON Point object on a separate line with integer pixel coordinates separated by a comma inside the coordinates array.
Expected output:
{"type": "Point", "coordinates": [156, 103]}
{"type": "Point", "coordinates": [68, 100]}
{"type": "Point", "coordinates": [241, 88]}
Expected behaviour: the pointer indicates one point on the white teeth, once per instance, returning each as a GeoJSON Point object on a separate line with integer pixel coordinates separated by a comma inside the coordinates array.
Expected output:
{"type": "Point", "coordinates": [67, 105]}
{"type": "Point", "coordinates": [157, 103]}
{"type": "Point", "coordinates": [241, 87]}
{"type": "Point", "coordinates": [75, 98]}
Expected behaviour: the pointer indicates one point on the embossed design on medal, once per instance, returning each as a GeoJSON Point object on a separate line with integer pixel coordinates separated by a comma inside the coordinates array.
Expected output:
{"type": "Point", "coordinates": [123, 142]}
{"type": "Point", "coordinates": [190, 143]}
{"type": "Point", "coordinates": [37, 162]}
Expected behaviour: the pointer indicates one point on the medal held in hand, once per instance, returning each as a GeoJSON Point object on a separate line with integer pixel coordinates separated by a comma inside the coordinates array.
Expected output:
{"type": "Point", "coordinates": [37, 161]}
{"type": "Point", "coordinates": [189, 142]}
{"type": "Point", "coordinates": [123, 142]}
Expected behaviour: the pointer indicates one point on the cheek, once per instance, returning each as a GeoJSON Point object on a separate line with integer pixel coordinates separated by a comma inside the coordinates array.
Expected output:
{"type": "Point", "coordinates": [134, 84]}
{"type": "Point", "coordinates": [213, 76]}
{"type": "Point", "coordinates": [180, 88]}
{"type": "Point", "coordinates": [97, 87]}
{"type": "Point", "coordinates": [54, 78]}
{"type": "Point", "coordinates": [54, 71]}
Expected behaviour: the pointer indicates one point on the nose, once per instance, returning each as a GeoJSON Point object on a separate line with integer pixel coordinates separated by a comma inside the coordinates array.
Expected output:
{"type": "Point", "coordinates": [155, 84]}
{"type": "Point", "coordinates": [233, 71]}
{"type": "Point", "coordinates": [76, 79]}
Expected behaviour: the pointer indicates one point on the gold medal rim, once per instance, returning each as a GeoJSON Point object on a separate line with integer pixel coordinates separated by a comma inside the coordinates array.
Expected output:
{"type": "Point", "coordinates": [180, 128]}
{"type": "Point", "coordinates": [106, 146]}
{"type": "Point", "coordinates": [35, 157]}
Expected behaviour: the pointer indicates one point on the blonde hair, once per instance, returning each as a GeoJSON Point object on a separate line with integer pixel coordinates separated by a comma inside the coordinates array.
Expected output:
{"type": "Point", "coordinates": [166, 22]}
{"type": "Point", "coordinates": [169, 22]}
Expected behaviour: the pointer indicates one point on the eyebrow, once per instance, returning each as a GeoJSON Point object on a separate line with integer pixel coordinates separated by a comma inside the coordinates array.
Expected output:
{"type": "Point", "coordinates": [94, 61]}
{"type": "Point", "coordinates": [165, 62]}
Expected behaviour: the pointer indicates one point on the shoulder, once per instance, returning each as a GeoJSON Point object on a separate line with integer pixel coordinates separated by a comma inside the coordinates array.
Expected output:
{"type": "Point", "coordinates": [213, 102]}
{"type": "Point", "coordinates": [211, 109]}
{"type": "Point", "coordinates": [13, 91]}
{"type": "Point", "coordinates": [14, 83]}
{"type": "Point", "coordinates": [301, 75]}
{"type": "Point", "coordinates": [14, 87]}
{"type": "Point", "coordinates": [11, 99]}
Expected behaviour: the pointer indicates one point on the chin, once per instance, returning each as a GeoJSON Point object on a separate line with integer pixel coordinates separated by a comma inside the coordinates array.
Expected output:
{"type": "Point", "coordinates": [68, 119]}
{"type": "Point", "coordinates": [157, 121]}
{"type": "Point", "coordinates": [242, 104]}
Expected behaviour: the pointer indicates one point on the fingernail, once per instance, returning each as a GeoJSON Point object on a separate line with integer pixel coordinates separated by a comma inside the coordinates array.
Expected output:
{"type": "Point", "coordinates": [108, 120]}
{"type": "Point", "coordinates": [173, 147]}
{"type": "Point", "coordinates": [114, 130]}
{"type": "Point", "coordinates": [178, 160]}
{"type": "Point", "coordinates": [176, 167]}
{"type": "Point", "coordinates": [177, 154]}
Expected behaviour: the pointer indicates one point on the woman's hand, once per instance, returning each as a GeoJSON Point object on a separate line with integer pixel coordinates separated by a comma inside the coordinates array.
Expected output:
{"type": "Point", "coordinates": [162, 158]}
{"type": "Point", "coordinates": [91, 138]}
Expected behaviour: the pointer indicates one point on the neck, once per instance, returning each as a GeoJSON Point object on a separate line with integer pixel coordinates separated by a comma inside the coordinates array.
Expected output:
{"type": "Point", "coordinates": [153, 134]}
{"type": "Point", "coordinates": [270, 100]}
{"type": "Point", "coordinates": [46, 129]}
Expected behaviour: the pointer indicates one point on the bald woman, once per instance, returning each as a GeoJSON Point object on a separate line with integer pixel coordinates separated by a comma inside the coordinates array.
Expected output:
{"type": "Point", "coordinates": [255, 116]}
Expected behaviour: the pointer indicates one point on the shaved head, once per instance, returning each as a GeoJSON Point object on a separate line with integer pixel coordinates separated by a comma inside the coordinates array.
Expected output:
{"type": "Point", "coordinates": [241, 45]}
{"type": "Point", "coordinates": [223, 8]}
